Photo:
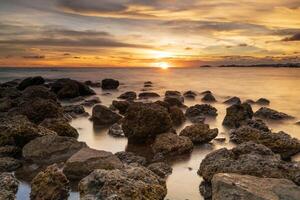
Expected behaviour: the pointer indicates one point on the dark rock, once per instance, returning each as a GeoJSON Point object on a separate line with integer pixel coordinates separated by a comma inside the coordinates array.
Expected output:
{"type": "Point", "coordinates": [130, 95]}
{"type": "Point", "coordinates": [176, 115]}
{"type": "Point", "coordinates": [110, 84]}
{"type": "Point", "coordinates": [209, 98]}
{"type": "Point", "coordinates": [237, 114]}
{"type": "Point", "coordinates": [10, 151]}
{"type": "Point", "coordinates": [280, 143]}
{"type": "Point", "coordinates": [116, 130]}
{"type": "Point", "coordinates": [206, 92]}
{"type": "Point", "coordinates": [50, 184]}
{"type": "Point", "coordinates": [8, 164]}
{"type": "Point", "coordinates": [52, 148]}
{"type": "Point", "coordinates": [199, 133]}
{"type": "Point", "coordinates": [250, 101]}
{"type": "Point", "coordinates": [170, 144]}
{"type": "Point", "coordinates": [130, 158]}
{"type": "Point", "coordinates": [9, 92]}
{"type": "Point", "coordinates": [257, 124]}
{"type": "Point", "coordinates": [143, 121]}
{"type": "Point", "coordinates": [103, 116]}
{"type": "Point", "coordinates": [122, 106]}
{"type": "Point", "coordinates": [37, 80]}
{"type": "Point", "coordinates": [233, 100]}
{"type": "Point", "coordinates": [220, 139]}
{"type": "Point", "coordinates": [190, 94]}
{"type": "Point", "coordinates": [162, 169]}
{"type": "Point", "coordinates": [298, 123]}
{"type": "Point", "coordinates": [174, 98]}
{"type": "Point", "coordinates": [75, 110]}
{"type": "Point", "coordinates": [92, 101]}
{"type": "Point", "coordinates": [263, 101]}
{"type": "Point", "coordinates": [11, 84]}
{"type": "Point", "coordinates": [76, 99]}
{"type": "Point", "coordinates": [6, 104]}
{"type": "Point", "coordinates": [38, 91]}
{"type": "Point", "coordinates": [200, 111]}
{"type": "Point", "coordinates": [93, 84]}
{"type": "Point", "coordinates": [148, 82]}
{"type": "Point", "coordinates": [8, 186]}
{"type": "Point", "coordinates": [133, 182]}
{"type": "Point", "coordinates": [60, 126]}
{"type": "Point", "coordinates": [268, 113]}
{"type": "Point", "coordinates": [146, 95]}
{"type": "Point", "coordinates": [87, 160]}
{"type": "Point", "coordinates": [205, 190]}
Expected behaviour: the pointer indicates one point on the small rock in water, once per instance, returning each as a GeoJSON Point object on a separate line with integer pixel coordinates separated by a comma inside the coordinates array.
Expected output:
{"type": "Point", "coordinates": [122, 106]}
{"type": "Point", "coordinates": [103, 116]}
{"type": "Point", "coordinates": [237, 114]}
{"type": "Point", "coordinates": [233, 100]}
{"type": "Point", "coordinates": [93, 84]}
{"type": "Point", "coordinates": [209, 98]}
{"type": "Point", "coordinates": [190, 94]}
{"type": "Point", "coordinates": [38, 80]}
{"type": "Point", "coordinates": [198, 112]}
{"type": "Point", "coordinates": [176, 115]}
{"type": "Point", "coordinates": [146, 95]}
{"type": "Point", "coordinates": [60, 126]}
{"type": "Point", "coordinates": [92, 101]}
{"type": "Point", "coordinates": [268, 113]}
{"type": "Point", "coordinates": [116, 130]}
{"type": "Point", "coordinates": [199, 133]}
{"type": "Point", "coordinates": [75, 111]}
{"type": "Point", "coordinates": [263, 101]}
{"type": "Point", "coordinates": [174, 98]}
{"type": "Point", "coordinates": [110, 84]}
{"type": "Point", "coordinates": [206, 92]}
{"type": "Point", "coordinates": [130, 95]}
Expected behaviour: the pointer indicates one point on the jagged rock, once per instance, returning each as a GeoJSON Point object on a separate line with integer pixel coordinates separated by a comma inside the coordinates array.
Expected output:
{"type": "Point", "coordinates": [8, 164]}
{"type": "Point", "coordinates": [37, 80]}
{"type": "Point", "coordinates": [6, 104]}
{"type": "Point", "coordinates": [116, 130]}
{"type": "Point", "coordinates": [101, 115]}
{"type": "Point", "coordinates": [130, 158]}
{"type": "Point", "coordinates": [190, 94]}
{"type": "Point", "coordinates": [162, 169]}
{"type": "Point", "coordinates": [92, 101]}
{"type": "Point", "coordinates": [176, 115]}
{"type": "Point", "coordinates": [197, 111]}
{"type": "Point", "coordinates": [143, 121]}
{"type": "Point", "coordinates": [122, 106]}
{"type": "Point", "coordinates": [87, 160]}
{"type": "Point", "coordinates": [244, 187]}
{"type": "Point", "coordinates": [9, 92]}
{"type": "Point", "coordinates": [268, 113]}
{"type": "Point", "coordinates": [280, 143]}
{"type": "Point", "coordinates": [263, 101]}
{"type": "Point", "coordinates": [133, 182]}
{"type": "Point", "coordinates": [209, 98]}
{"type": "Point", "coordinates": [8, 186]}
{"type": "Point", "coordinates": [130, 95]}
{"type": "Point", "coordinates": [170, 144]}
{"type": "Point", "coordinates": [257, 124]}
{"type": "Point", "coordinates": [52, 148]}
{"type": "Point", "coordinates": [110, 84]}
{"type": "Point", "coordinates": [237, 114]}
{"type": "Point", "coordinates": [50, 184]}
{"type": "Point", "coordinates": [199, 133]}
{"type": "Point", "coordinates": [233, 100]}
{"type": "Point", "coordinates": [60, 126]}
{"type": "Point", "coordinates": [10, 151]}
{"type": "Point", "coordinates": [146, 95]}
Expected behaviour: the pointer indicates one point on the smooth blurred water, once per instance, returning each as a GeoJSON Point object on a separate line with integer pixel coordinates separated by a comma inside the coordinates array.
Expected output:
{"type": "Point", "coordinates": [280, 85]}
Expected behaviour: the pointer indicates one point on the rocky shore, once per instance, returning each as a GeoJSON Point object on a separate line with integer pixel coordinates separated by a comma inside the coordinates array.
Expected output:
{"type": "Point", "coordinates": [35, 130]}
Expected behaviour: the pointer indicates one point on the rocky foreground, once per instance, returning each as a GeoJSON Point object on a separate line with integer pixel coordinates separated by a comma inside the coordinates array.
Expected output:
{"type": "Point", "coordinates": [35, 133]}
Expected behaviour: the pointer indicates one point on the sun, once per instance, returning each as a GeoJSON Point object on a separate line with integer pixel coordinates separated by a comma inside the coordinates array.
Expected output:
{"type": "Point", "coordinates": [163, 65]}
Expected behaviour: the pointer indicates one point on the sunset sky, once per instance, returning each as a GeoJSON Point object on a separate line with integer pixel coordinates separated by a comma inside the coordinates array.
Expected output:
{"type": "Point", "coordinates": [140, 33]}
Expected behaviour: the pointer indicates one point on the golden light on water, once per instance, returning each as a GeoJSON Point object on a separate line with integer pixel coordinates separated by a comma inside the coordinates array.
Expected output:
{"type": "Point", "coordinates": [163, 65]}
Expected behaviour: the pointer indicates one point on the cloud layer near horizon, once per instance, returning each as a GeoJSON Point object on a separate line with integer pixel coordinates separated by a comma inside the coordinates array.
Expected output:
{"type": "Point", "coordinates": [146, 32]}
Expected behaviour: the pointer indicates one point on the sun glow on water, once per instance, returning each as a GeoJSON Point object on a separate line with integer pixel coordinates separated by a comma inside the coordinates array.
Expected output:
{"type": "Point", "coordinates": [163, 65]}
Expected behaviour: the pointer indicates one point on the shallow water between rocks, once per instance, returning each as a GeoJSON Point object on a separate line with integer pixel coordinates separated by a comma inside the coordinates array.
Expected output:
{"type": "Point", "coordinates": [281, 86]}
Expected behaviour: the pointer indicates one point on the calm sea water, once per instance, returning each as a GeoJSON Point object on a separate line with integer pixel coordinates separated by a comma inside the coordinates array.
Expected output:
{"type": "Point", "coordinates": [281, 86]}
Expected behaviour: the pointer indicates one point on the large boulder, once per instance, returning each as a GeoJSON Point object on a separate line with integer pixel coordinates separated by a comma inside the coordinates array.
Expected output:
{"type": "Point", "coordinates": [133, 182]}
{"type": "Point", "coordinates": [37, 80]}
{"type": "Point", "coordinates": [197, 111]}
{"type": "Point", "coordinates": [143, 121]}
{"type": "Point", "coordinates": [251, 159]}
{"type": "Point", "coordinates": [8, 186]}
{"type": "Point", "coordinates": [52, 148]}
{"type": "Point", "coordinates": [60, 126]}
{"type": "Point", "coordinates": [199, 133]}
{"type": "Point", "coordinates": [50, 184]}
{"type": "Point", "coordinates": [130, 95]}
{"type": "Point", "coordinates": [268, 113]}
{"type": "Point", "coordinates": [18, 131]}
{"type": "Point", "coordinates": [170, 144]}
{"type": "Point", "coordinates": [281, 143]}
{"type": "Point", "coordinates": [237, 114]}
{"type": "Point", "coordinates": [8, 164]}
{"type": "Point", "coordinates": [176, 115]}
{"type": "Point", "coordinates": [68, 88]}
{"type": "Point", "coordinates": [103, 116]}
{"type": "Point", "coordinates": [245, 187]}
{"type": "Point", "coordinates": [38, 91]}
{"type": "Point", "coordinates": [130, 158]}
{"type": "Point", "coordinates": [87, 160]}
{"type": "Point", "coordinates": [110, 84]}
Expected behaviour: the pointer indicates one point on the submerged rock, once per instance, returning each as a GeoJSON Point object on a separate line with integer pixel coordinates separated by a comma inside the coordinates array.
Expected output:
{"type": "Point", "coordinates": [130, 95]}
{"type": "Point", "coordinates": [87, 160]}
{"type": "Point", "coordinates": [233, 100]}
{"type": "Point", "coordinates": [262, 101]}
{"type": "Point", "coordinates": [8, 186]}
{"type": "Point", "coordinates": [199, 133]}
{"type": "Point", "coordinates": [133, 182]}
{"type": "Point", "coordinates": [197, 111]}
{"type": "Point", "coordinates": [176, 115]}
{"type": "Point", "coordinates": [61, 127]}
{"type": "Point", "coordinates": [162, 169]}
{"type": "Point", "coordinates": [52, 148]}
{"type": "Point", "coordinates": [8, 164]}
{"type": "Point", "coordinates": [245, 187]}
{"type": "Point", "coordinates": [92, 101]}
{"type": "Point", "coordinates": [50, 184]}
{"type": "Point", "coordinates": [146, 95]}
{"type": "Point", "coordinates": [75, 110]}
{"type": "Point", "coordinates": [116, 130]}
{"type": "Point", "coordinates": [268, 113]}
{"type": "Point", "coordinates": [237, 114]}
{"type": "Point", "coordinates": [101, 115]}
{"type": "Point", "coordinates": [209, 98]}
{"type": "Point", "coordinates": [37, 80]}
{"type": "Point", "coordinates": [110, 84]}
{"type": "Point", "coordinates": [130, 158]}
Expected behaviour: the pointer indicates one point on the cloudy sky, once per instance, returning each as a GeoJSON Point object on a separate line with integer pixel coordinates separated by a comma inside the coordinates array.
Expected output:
{"type": "Point", "coordinates": [148, 32]}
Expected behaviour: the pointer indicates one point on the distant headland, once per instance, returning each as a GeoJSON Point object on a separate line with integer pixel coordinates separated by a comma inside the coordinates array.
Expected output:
{"type": "Point", "coordinates": [287, 65]}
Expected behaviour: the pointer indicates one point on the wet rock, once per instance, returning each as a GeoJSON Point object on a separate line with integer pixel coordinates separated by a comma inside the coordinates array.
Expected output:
{"type": "Point", "coordinates": [133, 182]}
{"type": "Point", "coordinates": [122, 106]}
{"type": "Point", "coordinates": [234, 186]}
{"type": "Point", "coordinates": [116, 130]}
{"type": "Point", "coordinates": [10, 84]}
{"type": "Point", "coordinates": [37, 80]}
{"type": "Point", "coordinates": [250, 101]}
{"type": "Point", "coordinates": [76, 100]}
{"type": "Point", "coordinates": [87, 160]}
{"type": "Point", "coordinates": [8, 186]}
{"type": "Point", "coordinates": [103, 116]}
{"type": "Point", "coordinates": [281, 143]}
{"type": "Point", "coordinates": [38, 91]}
{"type": "Point", "coordinates": [177, 116]}
{"type": "Point", "coordinates": [237, 114]}
{"type": "Point", "coordinates": [190, 94]}
{"type": "Point", "coordinates": [110, 84]}
{"type": "Point", "coordinates": [92, 101]}
{"type": "Point", "coordinates": [130, 95]}
{"type": "Point", "coordinates": [6, 104]}
{"type": "Point", "coordinates": [8, 164]}
{"type": "Point", "coordinates": [162, 169]}
{"type": "Point", "coordinates": [93, 84]}
{"type": "Point", "coordinates": [143, 121]}
{"type": "Point", "coordinates": [50, 184]}
{"type": "Point", "coordinates": [170, 144]}
{"type": "Point", "coordinates": [205, 190]}
{"type": "Point", "coordinates": [51, 149]}
{"type": "Point", "coordinates": [18, 131]}
{"type": "Point", "coordinates": [263, 101]}
{"type": "Point", "coordinates": [68, 88]}
{"type": "Point", "coordinates": [130, 158]}
{"type": "Point", "coordinates": [9, 92]}
{"type": "Point", "coordinates": [75, 110]}
{"type": "Point", "coordinates": [268, 113]}
{"type": "Point", "coordinates": [206, 92]}
{"type": "Point", "coordinates": [251, 159]}
{"type": "Point", "coordinates": [60, 126]}
{"type": "Point", "coordinates": [199, 133]}
{"type": "Point", "coordinates": [257, 124]}
{"type": "Point", "coordinates": [233, 100]}
{"type": "Point", "coordinates": [174, 98]}
{"type": "Point", "coordinates": [146, 95]}
{"type": "Point", "coordinates": [209, 98]}
{"type": "Point", "coordinates": [200, 111]}
{"type": "Point", "coordinates": [10, 151]}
